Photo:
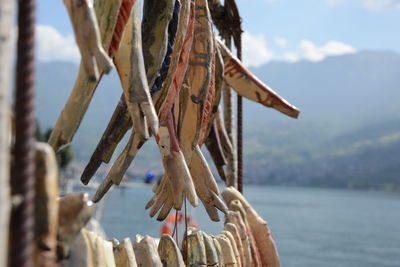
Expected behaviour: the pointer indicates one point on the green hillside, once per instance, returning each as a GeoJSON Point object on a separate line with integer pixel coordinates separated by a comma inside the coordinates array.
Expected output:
{"type": "Point", "coordinates": [348, 134]}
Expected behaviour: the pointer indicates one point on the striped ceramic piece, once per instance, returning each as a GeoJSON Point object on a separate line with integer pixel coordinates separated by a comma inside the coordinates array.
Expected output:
{"type": "Point", "coordinates": [156, 18]}
{"type": "Point", "coordinates": [130, 66]}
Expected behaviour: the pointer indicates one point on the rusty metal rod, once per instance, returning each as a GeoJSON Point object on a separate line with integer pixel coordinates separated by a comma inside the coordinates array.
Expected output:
{"type": "Point", "coordinates": [236, 33]}
{"type": "Point", "coordinates": [240, 141]}
{"type": "Point", "coordinates": [23, 181]}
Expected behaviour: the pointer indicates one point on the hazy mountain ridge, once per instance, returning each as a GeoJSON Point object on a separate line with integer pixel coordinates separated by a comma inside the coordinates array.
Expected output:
{"type": "Point", "coordinates": [350, 116]}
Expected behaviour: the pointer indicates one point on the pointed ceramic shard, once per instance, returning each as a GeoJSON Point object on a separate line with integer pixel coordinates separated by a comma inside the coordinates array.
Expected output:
{"type": "Point", "coordinates": [249, 86]}
{"type": "Point", "coordinates": [116, 129]}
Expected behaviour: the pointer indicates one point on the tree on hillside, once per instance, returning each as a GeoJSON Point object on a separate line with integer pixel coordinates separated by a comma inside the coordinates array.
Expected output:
{"type": "Point", "coordinates": [64, 156]}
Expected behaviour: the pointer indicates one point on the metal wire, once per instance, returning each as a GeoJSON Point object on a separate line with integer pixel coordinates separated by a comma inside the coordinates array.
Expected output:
{"type": "Point", "coordinates": [23, 182]}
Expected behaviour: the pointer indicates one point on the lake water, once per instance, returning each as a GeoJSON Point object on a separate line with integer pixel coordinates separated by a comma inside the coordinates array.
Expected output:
{"type": "Point", "coordinates": [312, 227]}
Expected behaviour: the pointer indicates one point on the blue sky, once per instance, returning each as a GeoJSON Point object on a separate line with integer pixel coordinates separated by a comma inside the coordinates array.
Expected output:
{"type": "Point", "coordinates": [286, 30]}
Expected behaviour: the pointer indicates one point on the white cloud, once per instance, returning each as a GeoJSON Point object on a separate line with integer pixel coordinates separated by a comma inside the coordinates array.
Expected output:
{"type": "Point", "coordinates": [281, 42]}
{"type": "Point", "coordinates": [369, 4]}
{"type": "Point", "coordinates": [51, 45]}
{"type": "Point", "coordinates": [308, 50]}
{"type": "Point", "coordinates": [255, 50]}
{"type": "Point", "coordinates": [290, 57]}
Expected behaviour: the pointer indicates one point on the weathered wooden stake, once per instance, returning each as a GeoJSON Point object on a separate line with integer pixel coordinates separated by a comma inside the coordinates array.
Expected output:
{"type": "Point", "coordinates": [6, 18]}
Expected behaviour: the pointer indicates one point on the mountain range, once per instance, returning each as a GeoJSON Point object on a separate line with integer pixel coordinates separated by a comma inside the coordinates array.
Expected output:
{"type": "Point", "coordinates": [347, 136]}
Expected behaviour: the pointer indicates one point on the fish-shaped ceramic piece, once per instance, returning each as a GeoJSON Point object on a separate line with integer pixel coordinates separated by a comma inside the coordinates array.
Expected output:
{"type": "Point", "coordinates": [235, 218]}
{"type": "Point", "coordinates": [191, 105]}
{"type": "Point", "coordinates": [95, 60]}
{"type": "Point", "coordinates": [169, 252]}
{"type": "Point", "coordinates": [46, 206]}
{"type": "Point", "coordinates": [214, 147]}
{"type": "Point", "coordinates": [250, 87]}
{"type": "Point", "coordinates": [193, 248]}
{"type": "Point", "coordinates": [75, 210]}
{"type": "Point", "coordinates": [108, 253]}
{"type": "Point", "coordinates": [234, 246]}
{"type": "Point", "coordinates": [119, 167]}
{"type": "Point", "coordinates": [174, 163]}
{"type": "Point", "coordinates": [226, 143]}
{"type": "Point", "coordinates": [111, 24]}
{"type": "Point", "coordinates": [137, 97]}
{"type": "Point", "coordinates": [96, 247]}
{"type": "Point", "coordinates": [118, 126]}
{"type": "Point", "coordinates": [124, 254]}
{"type": "Point", "coordinates": [259, 228]}
{"type": "Point", "coordinates": [177, 64]}
{"type": "Point", "coordinates": [218, 250]}
{"type": "Point", "coordinates": [102, 250]}
{"type": "Point", "coordinates": [120, 122]}
{"type": "Point", "coordinates": [172, 33]}
{"type": "Point", "coordinates": [230, 227]}
{"type": "Point", "coordinates": [81, 253]}
{"type": "Point", "coordinates": [217, 11]}
{"type": "Point", "coordinates": [146, 252]}
{"type": "Point", "coordinates": [156, 18]}
{"type": "Point", "coordinates": [177, 177]}
{"type": "Point", "coordinates": [212, 136]}
{"type": "Point", "coordinates": [205, 184]}
{"type": "Point", "coordinates": [211, 251]}
{"type": "Point", "coordinates": [209, 100]}
{"type": "Point", "coordinates": [125, 159]}
{"type": "Point", "coordinates": [227, 250]}
{"type": "Point", "coordinates": [130, 66]}
{"type": "Point", "coordinates": [220, 147]}
{"type": "Point", "coordinates": [198, 77]}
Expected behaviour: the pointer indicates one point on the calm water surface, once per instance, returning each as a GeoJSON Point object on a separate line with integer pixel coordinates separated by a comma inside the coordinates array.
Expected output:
{"type": "Point", "coordinates": [312, 227]}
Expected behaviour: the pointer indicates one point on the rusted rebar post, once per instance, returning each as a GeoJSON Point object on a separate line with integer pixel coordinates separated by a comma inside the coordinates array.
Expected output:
{"type": "Point", "coordinates": [6, 20]}
{"type": "Point", "coordinates": [229, 119]}
{"type": "Point", "coordinates": [240, 125]}
{"type": "Point", "coordinates": [234, 32]}
{"type": "Point", "coordinates": [23, 181]}
{"type": "Point", "coordinates": [240, 141]}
